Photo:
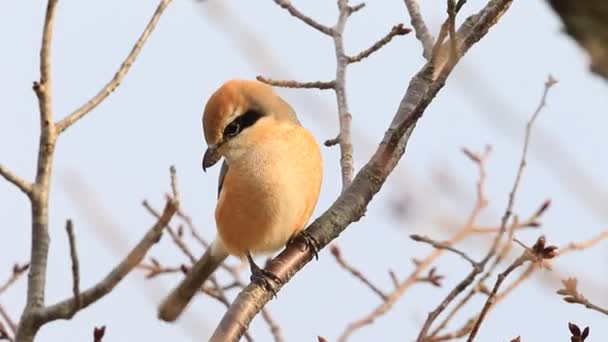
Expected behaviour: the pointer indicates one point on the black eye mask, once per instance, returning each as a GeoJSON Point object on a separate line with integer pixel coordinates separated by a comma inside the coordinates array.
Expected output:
{"type": "Point", "coordinates": [245, 120]}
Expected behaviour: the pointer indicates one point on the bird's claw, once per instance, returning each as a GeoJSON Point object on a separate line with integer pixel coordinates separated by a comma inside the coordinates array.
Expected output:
{"type": "Point", "coordinates": [309, 242]}
{"type": "Point", "coordinates": [263, 277]}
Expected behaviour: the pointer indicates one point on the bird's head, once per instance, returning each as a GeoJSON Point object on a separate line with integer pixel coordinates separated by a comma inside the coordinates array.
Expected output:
{"type": "Point", "coordinates": [234, 112]}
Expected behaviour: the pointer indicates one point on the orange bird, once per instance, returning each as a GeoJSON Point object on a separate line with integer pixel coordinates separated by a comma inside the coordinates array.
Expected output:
{"type": "Point", "coordinates": [269, 182]}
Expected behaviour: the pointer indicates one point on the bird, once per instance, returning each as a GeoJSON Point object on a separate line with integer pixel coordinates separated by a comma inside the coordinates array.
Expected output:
{"type": "Point", "coordinates": [269, 181]}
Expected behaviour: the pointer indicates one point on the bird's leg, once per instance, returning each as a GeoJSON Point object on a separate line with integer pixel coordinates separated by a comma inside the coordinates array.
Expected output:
{"type": "Point", "coordinates": [309, 242]}
{"type": "Point", "coordinates": [262, 276]}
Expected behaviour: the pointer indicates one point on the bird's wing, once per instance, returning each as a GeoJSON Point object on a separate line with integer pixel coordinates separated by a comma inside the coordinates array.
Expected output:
{"type": "Point", "coordinates": [220, 181]}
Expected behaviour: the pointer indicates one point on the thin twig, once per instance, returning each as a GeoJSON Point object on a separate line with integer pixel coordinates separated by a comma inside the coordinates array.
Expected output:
{"type": "Point", "coordinates": [174, 236]}
{"type": "Point", "coordinates": [572, 295]}
{"type": "Point", "coordinates": [193, 231]}
{"type": "Point", "coordinates": [275, 329]}
{"type": "Point", "coordinates": [7, 318]}
{"type": "Point", "coordinates": [69, 227]}
{"type": "Point", "coordinates": [119, 75]}
{"type": "Point", "coordinates": [444, 245]}
{"type": "Point", "coordinates": [536, 255]}
{"type": "Point", "coordinates": [468, 326]}
{"type": "Point", "coordinates": [296, 84]}
{"type": "Point", "coordinates": [422, 32]}
{"type": "Point", "coordinates": [397, 30]}
{"type": "Point", "coordinates": [63, 309]}
{"type": "Point", "coordinates": [503, 226]}
{"type": "Point", "coordinates": [480, 161]}
{"type": "Point", "coordinates": [16, 273]}
{"type": "Point", "coordinates": [335, 251]}
{"type": "Point", "coordinates": [174, 187]}
{"type": "Point", "coordinates": [452, 27]}
{"type": "Point", "coordinates": [286, 4]}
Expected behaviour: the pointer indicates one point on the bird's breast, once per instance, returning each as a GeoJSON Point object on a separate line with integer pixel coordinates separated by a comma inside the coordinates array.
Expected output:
{"type": "Point", "coordinates": [269, 193]}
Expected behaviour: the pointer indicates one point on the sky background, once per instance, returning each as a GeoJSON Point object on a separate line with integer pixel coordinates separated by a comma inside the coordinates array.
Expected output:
{"type": "Point", "coordinates": [120, 153]}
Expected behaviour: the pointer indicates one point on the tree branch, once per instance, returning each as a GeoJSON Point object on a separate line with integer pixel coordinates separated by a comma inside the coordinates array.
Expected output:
{"type": "Point", "coordinates": [39, 191]}
{"type": "Point", "coordinates": [422, 31]}
{"type": "Point", "coordinates": [64, 309]}
{"type": "Point", "coordinates": [69, 227]}
{"type": "Point", "coordinates": [118, 76]}
{"type": "Point", "coordinates": [295, 84]}
{"type": "Point", "coordinates": [397, 30]}
{"type": "Point", "coordinates": [335, 251]}
{"type": "Point", "coordinates": [22, 184]}
{"type": "Point", "coordinates": [286, 4]}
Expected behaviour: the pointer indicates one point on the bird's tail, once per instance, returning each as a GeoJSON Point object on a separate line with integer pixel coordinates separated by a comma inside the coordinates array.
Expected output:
{"type": "Point", "coordinates": [173, 305]}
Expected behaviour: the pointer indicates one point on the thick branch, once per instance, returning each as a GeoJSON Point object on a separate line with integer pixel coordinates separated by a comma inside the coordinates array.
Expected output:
{"type": "Point", "coordinates": [351, 204]}
{"type": "Point", "coordinates": [40, 189]}
{"type": "Point", "coordinates": [120, 74]}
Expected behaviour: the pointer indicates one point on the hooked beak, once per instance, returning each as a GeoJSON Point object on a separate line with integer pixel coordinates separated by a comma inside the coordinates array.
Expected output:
{"type": "Point", "coordinates": [211, 156]}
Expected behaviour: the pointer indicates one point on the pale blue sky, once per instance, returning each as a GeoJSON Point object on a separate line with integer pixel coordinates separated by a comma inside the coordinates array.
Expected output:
{"type": "Point", "coordinates": [120, 154]}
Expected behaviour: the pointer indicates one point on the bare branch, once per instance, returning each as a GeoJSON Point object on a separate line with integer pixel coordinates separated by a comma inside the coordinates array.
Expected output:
{"type": "Point", "coordinates": [332, 142]}
{"type": "Point", "coordinates": [335, 251]}
{"type": "Point", "coordinates": [16, 273]}
{"type": "Point", "coordinates": [43, 86]}
{"type": "Point", "coordinates": [286, 4]}
{"type": "Point", "coordinates": [345, 118]}
{"type": "Point", "coordinates": [452, 27]}
{"type": "Point", "coordinates": [536, 254]}
{"type": "Point", "coordinates": [295, 84]}
{"type": "Point", "coordinates": [575, 246]}
{"type": "Point", "coordinates": [468, 326]}
{"type": "Point", "coordinates": [422, 31]}
{"type": "Point", "coordinates": [397, 30]}
{"type": "Point", "coordinates": [193, 231]}
{"type": "Point", "coordinates": [174, 236]}
{"type": "Point", "coordinates": [69, 227]}
{"type": "Point", "coordinates": [503, 226]}
{"type": "Point", "coordinates": [480, 160]}
{"type": "Point", "coordinates": [446, 246]}
{"type": "Point", "coordinates": [22, 184]}
{"type": "Point", "coordinates": [572, 295]}
{"type": "Point", "coordinates": [64, 309]}
{"type": "Point", "coordinates": [275, 329]}
{"type": "Point", "coordinates": [174, 187]}
{"type": "Point", "coordinates": [8, 320]}
{"type": "Point", "coordinates": [120, 74]}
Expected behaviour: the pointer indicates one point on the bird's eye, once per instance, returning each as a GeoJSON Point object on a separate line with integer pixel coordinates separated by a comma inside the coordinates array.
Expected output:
{"type": "Point", "coordinates": [232, 129]}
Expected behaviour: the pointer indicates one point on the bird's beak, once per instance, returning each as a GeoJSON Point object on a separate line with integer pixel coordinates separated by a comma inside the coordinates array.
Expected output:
{"type": "Point", "coordinates": [211, 157]}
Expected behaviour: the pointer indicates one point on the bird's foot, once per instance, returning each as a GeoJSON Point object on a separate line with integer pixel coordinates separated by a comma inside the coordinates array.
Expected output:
{"type": "Point", "coordinates": [309, 242]}
{"type": "Point", "coordinates": [263, 277]}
